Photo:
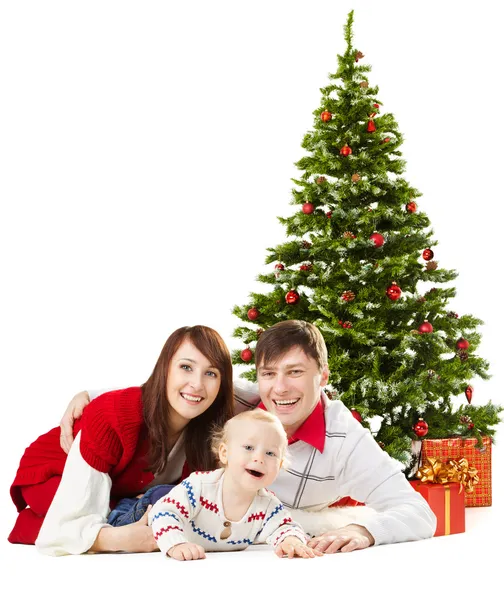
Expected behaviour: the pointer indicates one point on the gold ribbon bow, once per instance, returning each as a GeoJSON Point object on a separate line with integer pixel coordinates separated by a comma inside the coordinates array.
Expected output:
{"type": "Point", "coordinates": [435, 471]}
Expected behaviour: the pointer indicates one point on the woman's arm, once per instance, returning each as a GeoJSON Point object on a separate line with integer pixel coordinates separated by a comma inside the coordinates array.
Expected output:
{"type": "Point", "coordinates": [77, 518]}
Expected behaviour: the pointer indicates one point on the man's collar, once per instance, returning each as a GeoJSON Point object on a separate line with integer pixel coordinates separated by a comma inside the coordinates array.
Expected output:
{"type": "Point", "coordinates": [312, 430]}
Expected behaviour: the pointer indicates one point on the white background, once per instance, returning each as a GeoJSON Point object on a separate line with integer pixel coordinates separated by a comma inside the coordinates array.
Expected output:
{"type": "Point", "coordinates": [146, 151]}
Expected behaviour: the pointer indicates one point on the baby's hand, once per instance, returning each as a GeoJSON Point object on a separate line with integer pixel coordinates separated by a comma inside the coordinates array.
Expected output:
{"type": "Point", "coordinates": [292, 546]}
{"type": "Point", "coordinates": [186, 551]}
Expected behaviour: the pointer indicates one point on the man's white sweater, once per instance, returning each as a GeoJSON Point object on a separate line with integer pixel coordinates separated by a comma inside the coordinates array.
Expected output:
{"type": "Point", "coordinates": [351, 464]}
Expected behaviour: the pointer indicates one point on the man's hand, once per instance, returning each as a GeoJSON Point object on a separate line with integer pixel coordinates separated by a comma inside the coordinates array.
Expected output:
{"type": "Point", "coordinates": [73, 412]}
{"type": "Point", "coordinates": [186, 551]}
{"type": "Point", "coordinates": [292, 546]}
{"type": "Point", "coordinates": [345, 539]}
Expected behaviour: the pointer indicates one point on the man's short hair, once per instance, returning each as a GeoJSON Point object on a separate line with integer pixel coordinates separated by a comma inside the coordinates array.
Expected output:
{"type": "Point", "coordinates": [279, 339]}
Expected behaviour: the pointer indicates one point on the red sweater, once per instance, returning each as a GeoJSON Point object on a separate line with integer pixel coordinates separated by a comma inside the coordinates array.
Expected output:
{"type": "Point", "coordinates": [113, 441]}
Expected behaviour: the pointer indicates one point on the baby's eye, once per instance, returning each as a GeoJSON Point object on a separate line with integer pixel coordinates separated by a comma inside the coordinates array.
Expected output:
{"type": "Point", "coordinates": [271, 453]}
{"type": "Point", "coordinates": [248, 447]}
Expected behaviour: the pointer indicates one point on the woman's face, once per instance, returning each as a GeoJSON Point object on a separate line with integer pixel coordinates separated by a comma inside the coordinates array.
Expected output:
{"type": "Point", "coordinates": [192, 384]}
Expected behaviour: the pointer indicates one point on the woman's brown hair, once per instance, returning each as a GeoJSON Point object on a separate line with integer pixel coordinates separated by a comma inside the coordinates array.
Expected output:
{"type": "Point", "coordinates": [198, 431]}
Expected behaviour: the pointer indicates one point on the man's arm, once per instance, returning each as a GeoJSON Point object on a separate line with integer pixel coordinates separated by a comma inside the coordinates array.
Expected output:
{"type": "Point", "coordinates": [370, 475]}
{"type": "Point", "coordinates": [73, 412]}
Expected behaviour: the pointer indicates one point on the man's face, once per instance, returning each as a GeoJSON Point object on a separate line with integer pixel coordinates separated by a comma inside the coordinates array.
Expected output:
{"type": "Point", "coordinates": [290, 387]}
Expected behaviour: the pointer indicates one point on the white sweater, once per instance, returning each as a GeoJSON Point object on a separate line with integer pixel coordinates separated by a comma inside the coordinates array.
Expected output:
{"type": "Point", "coordinates": [193, 512]}
{"type": "Point", "coordinates": [352, 464]}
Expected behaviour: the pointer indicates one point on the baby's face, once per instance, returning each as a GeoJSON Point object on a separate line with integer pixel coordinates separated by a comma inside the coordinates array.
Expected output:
{"type": "Point", "coordinates": [254, 452]}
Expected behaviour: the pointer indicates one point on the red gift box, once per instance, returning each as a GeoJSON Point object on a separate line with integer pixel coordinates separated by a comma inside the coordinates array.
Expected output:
{"type": "Point", "coordinates": [481, 459]}
{"type": "Point", "coordinates": [447, 503]}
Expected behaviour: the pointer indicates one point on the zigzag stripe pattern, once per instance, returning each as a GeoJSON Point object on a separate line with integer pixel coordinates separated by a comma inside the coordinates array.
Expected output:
{"type": "Point", "coordinates": [203, 534]}
{"type": "Point", "coordinates": [166, 514]}
{"type": "Point", "coordinates": [275, 512]}
{"type": "Point", "coordinates": [190, 492]}
{"type": "Point", "coordinates": [181, 507]}
{"type": "Point", "coordinates": [209, 505]}
{"type": "Point", "coordinates": [244, 541]}
{"type": "Point", "coordinates": [256, 516]}
{"type": "Point", "coordinates": [159, 533]}
{"type": "Point", "coordinates": [202, 472]}
{"type": "Point", "coordinates": [285, 521]}
{"type": "Point", "coordinates": [283, 535]}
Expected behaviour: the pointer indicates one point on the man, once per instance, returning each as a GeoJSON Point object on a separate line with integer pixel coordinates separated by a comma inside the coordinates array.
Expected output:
{"type": "Point", "coordinates": [331, 455]}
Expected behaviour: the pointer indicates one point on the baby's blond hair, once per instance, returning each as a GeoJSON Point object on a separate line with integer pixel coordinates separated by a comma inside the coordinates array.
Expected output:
{"type": "Point", "coordinates": [220, 435]}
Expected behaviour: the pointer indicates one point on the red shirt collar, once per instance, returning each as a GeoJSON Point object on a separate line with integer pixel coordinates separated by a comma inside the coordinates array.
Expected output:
{"type": "Point", "coordinates": [312, 431]}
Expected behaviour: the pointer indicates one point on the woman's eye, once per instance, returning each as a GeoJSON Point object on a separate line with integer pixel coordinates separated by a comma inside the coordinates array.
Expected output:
{"type": "Point", "coordinates": [212, 373]}
{"type": "Point", "coordinates": [185, 367]}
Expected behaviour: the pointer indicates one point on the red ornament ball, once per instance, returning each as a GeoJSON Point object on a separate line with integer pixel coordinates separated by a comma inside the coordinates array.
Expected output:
{"type": "Point", "coordinates": [425, 327]}
{"type": "Point", "coordinates": [421, 428]}
{"type": "Point", "coordinates": [469, 393]}
{"type": "Point", "coordinates": [306, 267]}
{"type": "Point", "coordinates": [376, 105]}
{"type": "Point", "coordinates": [292, 297]}
{"type": "Point", "coordinates": [308, 208]}
{"type": "Point", "coordinates": [253, 314]}
{"type": "Point", "coordinates": [385, 140]}
{"type": "Point", "coordinates": [378, 239]}
{"type": "Point", "coordinates": [470, 426]}
{"type": "Point", "coordinates": [246, 355]}
{"type": "Point", "coordinates": [356, 415]}
{"type": "Point", "coordinates": [279, 267]}
{"type": "Point", "coordinates": [346, 150]}
{"type": "Point", "coordinates": [371, 126]}
{"type": "Point", "coordinates": [394, 292]}
{"type": "Point", "coordinates": [329, 214]}
{"type": "Point", "coordinates": [428, 254]}
{"type": "Point", "coordinates": [411, 207]}
{"type": "Point", "coordinates": [326, 116]}
{"type": "Point", "coordinates": [462, 344]}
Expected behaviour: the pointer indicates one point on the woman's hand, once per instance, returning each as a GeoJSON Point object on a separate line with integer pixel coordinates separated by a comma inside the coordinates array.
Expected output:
{"type": "Point", "coordinates": [137, 537]}
{"type": "Point", "coordinates": [292, 546]}
{"type": "Point", "coordinates": [186, 551]}
{"type": "Point", "coordinates": [74, 411]}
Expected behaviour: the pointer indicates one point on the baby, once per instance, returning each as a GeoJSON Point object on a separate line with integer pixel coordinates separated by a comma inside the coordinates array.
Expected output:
{"type": "Point", "coordinates": [229, 508]}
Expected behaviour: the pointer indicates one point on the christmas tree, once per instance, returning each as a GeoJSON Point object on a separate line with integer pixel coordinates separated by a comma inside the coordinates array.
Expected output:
{"type": "Point", "coordinates": [359, 264]}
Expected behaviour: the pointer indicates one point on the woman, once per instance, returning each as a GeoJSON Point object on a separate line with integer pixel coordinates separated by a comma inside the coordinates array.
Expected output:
{"type": "Point", "coordinates": [126, 441]}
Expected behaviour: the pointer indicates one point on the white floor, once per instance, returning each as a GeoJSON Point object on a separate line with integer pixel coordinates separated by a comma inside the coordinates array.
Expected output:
{"type": "Point", "coordinates": [442, 567]}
